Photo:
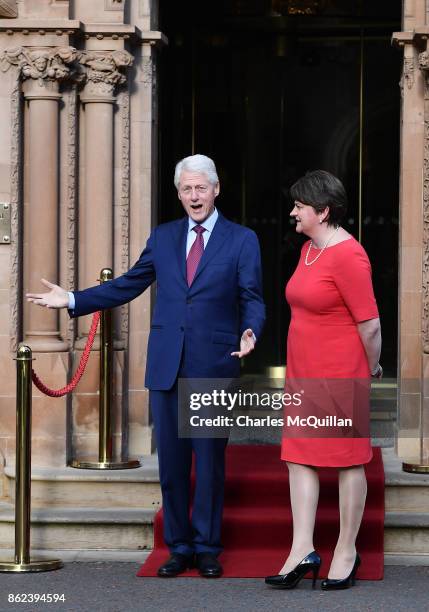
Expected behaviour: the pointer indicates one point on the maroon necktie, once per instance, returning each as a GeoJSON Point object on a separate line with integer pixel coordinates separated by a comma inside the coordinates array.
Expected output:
{"type": "Point", "coordinates": [195, 254]}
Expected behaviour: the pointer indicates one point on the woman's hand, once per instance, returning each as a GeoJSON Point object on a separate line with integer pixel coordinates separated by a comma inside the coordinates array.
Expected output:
{"type": "Point", "coordinates": [377, 372]}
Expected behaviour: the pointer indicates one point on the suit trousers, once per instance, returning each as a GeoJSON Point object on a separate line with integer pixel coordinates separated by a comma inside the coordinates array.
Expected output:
{"type": "Point", "coordinates": [201, 532]}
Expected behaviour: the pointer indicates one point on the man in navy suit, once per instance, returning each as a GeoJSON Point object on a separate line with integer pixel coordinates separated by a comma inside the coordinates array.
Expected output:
{"type": "Point", "coordinates": [209, 301]}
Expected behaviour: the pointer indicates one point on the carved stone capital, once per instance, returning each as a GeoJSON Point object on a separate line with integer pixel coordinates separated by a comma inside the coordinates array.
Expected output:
{"type": "Point", "coordinates": [105, 66]}
{"type": "Point", "coordinates": [39, 89]}
{"type": "Point", "coordinates": [43, 64]}
{"type": "Point", "coordinates": [97, 92]}
{"type": "Point", "coordinates": [8, 9]}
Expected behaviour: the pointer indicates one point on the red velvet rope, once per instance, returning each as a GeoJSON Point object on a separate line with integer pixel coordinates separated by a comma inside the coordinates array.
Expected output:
{"type": "Point", "coordinates": [80, 369]}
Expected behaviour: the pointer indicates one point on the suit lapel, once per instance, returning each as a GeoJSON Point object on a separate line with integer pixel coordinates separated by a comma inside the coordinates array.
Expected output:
{"type": "Point", "coordinates": [216, 240]}
{"type": "Point", "coordinates": [180, 237]}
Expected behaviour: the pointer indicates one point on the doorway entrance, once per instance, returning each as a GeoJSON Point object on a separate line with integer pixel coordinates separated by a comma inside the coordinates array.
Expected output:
{"type": "Point", "coordinates": [270, 89]}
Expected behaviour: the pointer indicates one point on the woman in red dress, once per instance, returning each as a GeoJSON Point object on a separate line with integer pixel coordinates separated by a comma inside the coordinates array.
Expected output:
{"type": "Point", "coordinates": [334, 334]}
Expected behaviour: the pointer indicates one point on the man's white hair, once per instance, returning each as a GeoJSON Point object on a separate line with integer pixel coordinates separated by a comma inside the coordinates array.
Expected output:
{"type": "Point", "coordinates": [196, 163]}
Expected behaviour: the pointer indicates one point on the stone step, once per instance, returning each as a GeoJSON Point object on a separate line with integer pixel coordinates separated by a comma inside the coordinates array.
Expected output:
{"type": "Point", "coordinates": [69, 555]}
{"type": "Point", "coordinates": [407, 533]}
{"type": "Point", "coordinates": [404, 491]}
{"type": "Point", "coordinates": [139, 488]}
{"type": "Point", "coordinates": [82, 528]}
{"type": "Point", "coordinates": [125, 527]}
{"type": "Point", "coordinates": [67, 486]}
{"type": "Point", "coordinates": [129, 530]}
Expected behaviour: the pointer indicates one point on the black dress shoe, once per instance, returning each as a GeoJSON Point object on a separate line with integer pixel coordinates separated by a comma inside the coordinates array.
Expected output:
{"type": "Point", "coordinates": [310, 563]}
{"type": "Point", "coordinates": [176, 564]}
{"type": "Point", "coordinates": [332, 584]}
{"type": "Point", "coordinates": [208, 565]}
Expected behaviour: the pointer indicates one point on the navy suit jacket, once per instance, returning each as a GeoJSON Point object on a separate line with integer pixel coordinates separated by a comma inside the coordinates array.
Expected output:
{"type": "Point", "coordinates": [204, 321]}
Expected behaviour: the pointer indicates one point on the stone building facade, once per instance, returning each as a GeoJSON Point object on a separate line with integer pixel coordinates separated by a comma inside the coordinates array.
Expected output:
{"type": "Point", "coordinates": [78, 181]}
{"type": "Point", "coordinates": [79, 127]}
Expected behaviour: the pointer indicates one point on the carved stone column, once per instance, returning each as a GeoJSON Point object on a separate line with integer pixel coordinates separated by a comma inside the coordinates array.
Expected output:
{"type": "Point", "coordinates": [41, 69]}
{"type": "Point", "coordinates": [422, 454]}
{"type": "Point", "coordinates": [96, 211]}
{"type": "Point", "coordinates": [413, 354]}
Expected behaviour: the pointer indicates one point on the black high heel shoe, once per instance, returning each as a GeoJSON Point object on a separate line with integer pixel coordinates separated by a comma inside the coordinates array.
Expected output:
{"type": "Point", "coordinates": [331, 584]}
{"type": "Point", "coordinates": [311, 563]}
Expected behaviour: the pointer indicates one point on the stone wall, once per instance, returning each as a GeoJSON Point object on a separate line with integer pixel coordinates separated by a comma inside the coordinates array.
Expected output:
{"type": "Point", "coordinates": [413, 395]}
{"type": "Point", "coordinates": [78, 155]}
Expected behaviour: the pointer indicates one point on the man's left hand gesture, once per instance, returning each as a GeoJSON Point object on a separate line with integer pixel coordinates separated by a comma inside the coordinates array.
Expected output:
{"type": "Point", "coordinates": [247, 344]}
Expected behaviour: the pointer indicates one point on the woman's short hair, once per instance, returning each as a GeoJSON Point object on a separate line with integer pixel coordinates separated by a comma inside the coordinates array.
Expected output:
{"type": "Point", "coordinates": [320, 189]}
{"type": "Point", "coordinates": [196, 163]}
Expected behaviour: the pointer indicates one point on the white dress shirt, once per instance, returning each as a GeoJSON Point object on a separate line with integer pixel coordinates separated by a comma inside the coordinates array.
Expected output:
{"type": "Point", "coordinates": [208, 225]}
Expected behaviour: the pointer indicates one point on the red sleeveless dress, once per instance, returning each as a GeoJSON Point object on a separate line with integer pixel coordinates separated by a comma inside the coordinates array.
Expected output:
{"type": "Point", "coordinates": [327, 300]}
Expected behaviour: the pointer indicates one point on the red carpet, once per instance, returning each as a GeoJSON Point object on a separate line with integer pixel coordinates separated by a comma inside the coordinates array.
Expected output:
{"type": "Point", "coordinates": [257, 522]}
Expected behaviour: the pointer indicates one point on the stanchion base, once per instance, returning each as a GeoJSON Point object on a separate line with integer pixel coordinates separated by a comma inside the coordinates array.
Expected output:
{"type": "Point", "coordinates": [88, 464]}
{"type": "Point", "coordinates": [416, 468]}
{"type": "Point", "coordinates": [40, 565]}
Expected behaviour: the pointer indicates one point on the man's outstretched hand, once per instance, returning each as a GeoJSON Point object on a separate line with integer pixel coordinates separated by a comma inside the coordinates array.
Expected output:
{"type": "Point", "coordinates": [247, 344]}
{"type": "Point", "coordinates": [57, 297]}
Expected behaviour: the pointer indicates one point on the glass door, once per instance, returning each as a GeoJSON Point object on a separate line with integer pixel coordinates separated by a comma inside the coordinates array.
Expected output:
{"type": "Point", "coordinates": [271, 90]}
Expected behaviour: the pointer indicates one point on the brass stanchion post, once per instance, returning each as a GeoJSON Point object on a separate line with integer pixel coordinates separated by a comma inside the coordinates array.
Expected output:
{"type": "Point", "coordinates": [416, 468]}
{"type": "Point", "coordinates": [420, 464]}
{"type": "Point", "coordinates": [105, 436]}
{"type": "Point", "coordinates": [22, 562]}
{"type": "Point", "coordinates": [105, 443]}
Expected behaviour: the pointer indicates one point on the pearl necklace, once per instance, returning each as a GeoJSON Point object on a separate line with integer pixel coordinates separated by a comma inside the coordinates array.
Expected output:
{"type": "Point", "coordinates": [309, 263]}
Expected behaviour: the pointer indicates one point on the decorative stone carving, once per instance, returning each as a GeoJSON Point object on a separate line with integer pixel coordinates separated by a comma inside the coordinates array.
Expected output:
{"type": "Point", "coordinates": [72, 127]}
{"type": "Point", "coordinates": [424, 60]}
{"type": "Point", "coordinates": [124, 105]}
{"type": "Point", "coordinates": [114, 5]}
{"type": "Point", "coordinates": [45, 67]}
{"type": "Point", "coordinates": [425, 263]}
{"type": "Point", "coordinates": [425, 280]}
{"type": "Point", "coordinates": [15, 332]}
{"type": "Point", "coordinates": [408, 72]}
{"type": "Point", "coordinates": [148, 72]}
{"type": "Point", "coordinates": [424, 66]}
{"type": "Point", "coordinates": [44, 64]}
{"type": "Point", "coordinates": [8, 9]}
{"type": "Point", "coordinates": [103, 68]}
